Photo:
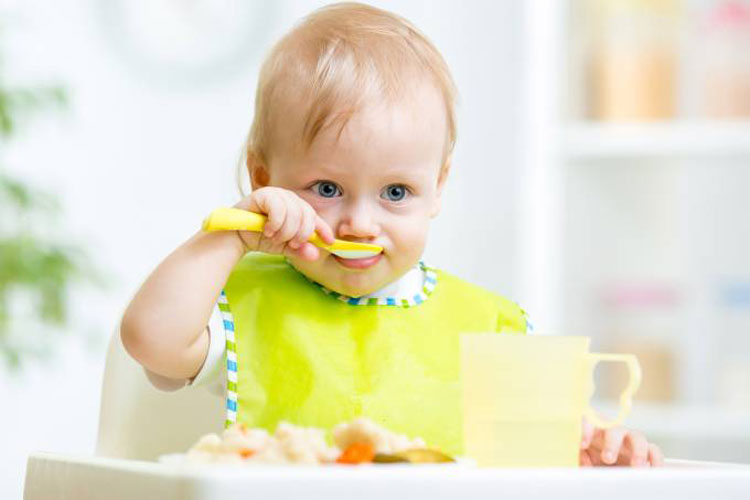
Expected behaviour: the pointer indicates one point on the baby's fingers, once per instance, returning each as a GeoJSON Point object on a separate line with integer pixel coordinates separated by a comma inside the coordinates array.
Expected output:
{"type": "Point", "coordinates": [584, 459]}
{"type": "Point", "coordinates": [587, 434]}
{"type": "Point", "coordinates": [639, 448]}
{"type": "Point", "coordinates": [291, 226]}
{"type": "Point", "coordinates": [324, 230]}
{"type": "Point", "coordinates": [300, 245]}
{"type": "Point", "coordinates": [275, 209]}
{"type": "Point", "coordinates": [312, 223]}
{"type": "Point", "coordinates": [612, 443]}
{"type": "Point", "coordinates": [307, 226]}
{"type": "Point", "coordinates": [308, 251]}
{"type": "Point", "coordinates": [655, 456]}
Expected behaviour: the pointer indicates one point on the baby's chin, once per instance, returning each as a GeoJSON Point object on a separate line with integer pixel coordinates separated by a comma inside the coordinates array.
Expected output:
{"type": "Point", "coordinates": [354, 291]}
{"type": "Point", "coordinates": [353, 285]}
{"type": "Point", "coordinates": [349, 283]}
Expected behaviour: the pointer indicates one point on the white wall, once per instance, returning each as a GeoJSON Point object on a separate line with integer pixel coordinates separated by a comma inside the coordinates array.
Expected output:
{"type": "Point", "coordinates": [137, 165]}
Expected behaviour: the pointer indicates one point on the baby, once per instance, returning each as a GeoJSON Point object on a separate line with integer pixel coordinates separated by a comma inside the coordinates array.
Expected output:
{"type": "Point", "coordinates": [352, 138]}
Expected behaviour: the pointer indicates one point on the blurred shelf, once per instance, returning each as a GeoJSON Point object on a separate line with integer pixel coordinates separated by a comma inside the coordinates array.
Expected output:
{"type": "Point", "coordinates": [683, 421]}
{"type": "Point", "coordinates": [592, 141]}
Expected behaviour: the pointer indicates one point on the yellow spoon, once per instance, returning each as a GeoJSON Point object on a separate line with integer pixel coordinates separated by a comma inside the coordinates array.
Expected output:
{"type": "Point", "coordinates": [226, 219]}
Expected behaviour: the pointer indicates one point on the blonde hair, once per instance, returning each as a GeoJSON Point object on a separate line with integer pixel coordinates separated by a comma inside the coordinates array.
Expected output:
{"type": "Point", "coordinates": [333, 60]}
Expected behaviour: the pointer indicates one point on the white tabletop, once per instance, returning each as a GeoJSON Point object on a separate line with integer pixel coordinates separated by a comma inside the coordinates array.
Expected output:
{"type": "Point", "coordinates": [50, 477]}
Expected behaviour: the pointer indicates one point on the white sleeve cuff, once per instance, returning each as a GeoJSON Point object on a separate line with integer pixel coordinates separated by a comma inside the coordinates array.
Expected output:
{"type": "Point", "coordinates": [211, 370]}
{"type": "Point", "coordinates": [164, 383]}
{"type": "Point", "coordinates": [214, 363]}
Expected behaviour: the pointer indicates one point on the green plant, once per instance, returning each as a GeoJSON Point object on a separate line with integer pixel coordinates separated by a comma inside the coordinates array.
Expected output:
{"type": "Point", "coordinates": [36, 268]}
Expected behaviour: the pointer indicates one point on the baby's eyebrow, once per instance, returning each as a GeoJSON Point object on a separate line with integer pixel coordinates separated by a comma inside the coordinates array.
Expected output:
{"type": "Point", "coordinates": [405, 174]}
{"type": "Point", "coordinates": [325, 170]}
{"type": "Point", "coordinates": [386, 174]}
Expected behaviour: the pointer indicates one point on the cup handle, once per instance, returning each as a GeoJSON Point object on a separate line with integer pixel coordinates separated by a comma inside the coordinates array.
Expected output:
{"type": "Point", "coordinates": [626, 397]}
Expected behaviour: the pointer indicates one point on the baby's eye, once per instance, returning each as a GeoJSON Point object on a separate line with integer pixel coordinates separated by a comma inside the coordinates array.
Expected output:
{"type": "Point", "coordinates": [395, 192]}
{"type": "Point", "coordinates": [326, 189]}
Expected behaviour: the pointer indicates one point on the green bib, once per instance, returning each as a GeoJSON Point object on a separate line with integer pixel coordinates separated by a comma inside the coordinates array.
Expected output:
{"type": "Point", "coordinates": [312, 358]}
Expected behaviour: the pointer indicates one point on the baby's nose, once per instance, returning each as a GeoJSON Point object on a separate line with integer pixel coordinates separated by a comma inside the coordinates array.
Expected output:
{"type": "Point", "coordinates": [359, 223]}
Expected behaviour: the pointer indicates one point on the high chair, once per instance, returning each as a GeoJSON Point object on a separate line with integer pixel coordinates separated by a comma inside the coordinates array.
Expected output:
{"type": "Point", "coordinates": [137, 421]}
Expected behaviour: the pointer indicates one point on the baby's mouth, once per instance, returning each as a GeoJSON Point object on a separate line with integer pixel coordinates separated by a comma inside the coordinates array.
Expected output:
{"type": "Point", "coordinates": [365, 263]}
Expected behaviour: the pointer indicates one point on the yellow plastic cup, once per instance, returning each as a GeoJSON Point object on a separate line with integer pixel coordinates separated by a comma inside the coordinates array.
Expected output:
{"type": "Point", "coordinates": [524, 397]}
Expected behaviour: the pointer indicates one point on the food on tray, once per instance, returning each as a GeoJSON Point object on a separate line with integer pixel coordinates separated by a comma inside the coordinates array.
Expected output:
{"type": "Point", "coordinates": [356, 442]}
{"type": "Point", "coordinates": [357, 453]}
{"type": "Point", "coordinates": [414, 456]}
{"type": "Point", "coordinates": [239, 444]}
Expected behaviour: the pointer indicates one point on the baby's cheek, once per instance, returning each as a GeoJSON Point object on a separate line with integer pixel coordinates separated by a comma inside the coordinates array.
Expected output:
{"type": "Point", "coordinates": [326, 210]}
{"type": "Point", "coordinates": [410, 237]}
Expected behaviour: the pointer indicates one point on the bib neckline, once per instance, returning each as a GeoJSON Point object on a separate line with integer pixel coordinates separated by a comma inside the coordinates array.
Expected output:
{"type": "Point", "coordinates": [428, 286]}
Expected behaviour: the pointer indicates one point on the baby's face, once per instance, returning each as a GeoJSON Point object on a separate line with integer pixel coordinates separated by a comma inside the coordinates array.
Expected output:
{"type": "Point", "coordinates": [379, 182]}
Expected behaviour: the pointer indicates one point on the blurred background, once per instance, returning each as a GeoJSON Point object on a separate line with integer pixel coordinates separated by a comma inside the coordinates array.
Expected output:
{"type": "Point", "coordinates": [605, 143]}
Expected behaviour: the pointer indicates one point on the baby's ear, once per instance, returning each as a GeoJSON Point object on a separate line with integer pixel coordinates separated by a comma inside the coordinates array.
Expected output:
{"type": "Point", "coordinates": [441, 181]}
{"type": "Point", "coordinates": [257, 171]}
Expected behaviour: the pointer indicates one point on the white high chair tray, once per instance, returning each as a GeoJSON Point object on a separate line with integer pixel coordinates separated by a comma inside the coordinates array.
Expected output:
{"type": "Point", "coordinates": [51, 476]}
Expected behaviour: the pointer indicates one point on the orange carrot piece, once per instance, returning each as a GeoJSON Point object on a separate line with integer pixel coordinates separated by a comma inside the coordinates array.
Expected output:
{"type": "Point", "coordinates": [357, 453]}
{"type": "Point", "coordinates": [246, 452]}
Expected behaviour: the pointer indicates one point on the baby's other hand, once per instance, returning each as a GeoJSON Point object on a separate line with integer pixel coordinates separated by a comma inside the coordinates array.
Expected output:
{"type": "Point", "coordinates": [291, 221]}
{"type": "Point", "coordinates": [617, 446]}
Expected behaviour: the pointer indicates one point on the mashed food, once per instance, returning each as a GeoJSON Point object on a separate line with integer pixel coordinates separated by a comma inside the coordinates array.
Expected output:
{"type": "Point", "coordinates": [358, 441]}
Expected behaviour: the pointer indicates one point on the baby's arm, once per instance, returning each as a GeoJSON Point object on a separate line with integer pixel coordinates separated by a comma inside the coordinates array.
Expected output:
{"type": "Point", "coordinates": [164, 327]}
